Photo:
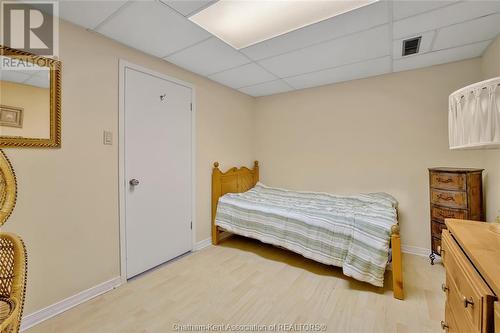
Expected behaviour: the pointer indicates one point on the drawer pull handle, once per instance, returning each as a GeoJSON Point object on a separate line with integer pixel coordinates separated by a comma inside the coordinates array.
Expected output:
{"type": "Point", "coordinates": [444, 325]}
{"type": "Point", "coordinates": [468, 301]}
{"type": "Point", "coordinates": [441, 180]}
{"type": "Point", "coordinates": [445, 197]}
{"type": "Point", "coordinates": [444, 288]}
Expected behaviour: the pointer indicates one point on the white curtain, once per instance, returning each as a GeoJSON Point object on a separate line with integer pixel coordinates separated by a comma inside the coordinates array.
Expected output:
{"type": "Point", "coordinates": [474, 115]}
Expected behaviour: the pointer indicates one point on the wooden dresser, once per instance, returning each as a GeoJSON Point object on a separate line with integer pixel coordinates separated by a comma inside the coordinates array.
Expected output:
{"type": "Point", "coordinates": [471, 257]}
{"type": "Point", "coordinates": [454, 193]}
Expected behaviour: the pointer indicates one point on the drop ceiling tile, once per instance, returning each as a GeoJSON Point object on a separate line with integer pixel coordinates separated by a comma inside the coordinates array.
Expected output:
{"type": "Point", "coordinates": [243, 76]}
{"type": "Point", "coordinates": [440, 57]}
{"type": "Point", "coordinates": [152, 27]}
{"type": "Point", "coordinates": [37, 81]}
{"type": "Point", "coordinates": [484, 28]}
{"type": "Point", "coordinates": [425, 44]}
{"type": "Point", "coordinates": [187, 7]}
{"type": "Point", "coordinates": [365, 45]}
{"type": "Point", "coordinates": [402, 9]}
{"type": "Point", "coordinates": [344, 73]}
{"type": "Point", "coordinates": [445, 16]}
{"type": "Point", "coordinates": [357, 20]}
{"type": "Point", "coordinates": [268, 88]}
{"type": "Point", "coordinates": [87, 14]}
{"type": "Point", "coordinates": [42, 73]}
{"type": "Point", "coordinates": [14, 76]}
{"type": "Point", "coordinates": [208, 57]}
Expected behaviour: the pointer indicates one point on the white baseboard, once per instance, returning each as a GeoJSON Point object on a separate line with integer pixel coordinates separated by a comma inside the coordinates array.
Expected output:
{"type": "Point", "coordinates": [418, 251]}
{"type": "Point", "coordinates": [52, 310]}
{"type": "Point", "coordinates": [202, 244]}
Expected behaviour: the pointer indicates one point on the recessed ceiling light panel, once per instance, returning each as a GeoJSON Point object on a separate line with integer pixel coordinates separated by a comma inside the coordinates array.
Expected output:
{"type": "Point", "coordinates": [242, 23]}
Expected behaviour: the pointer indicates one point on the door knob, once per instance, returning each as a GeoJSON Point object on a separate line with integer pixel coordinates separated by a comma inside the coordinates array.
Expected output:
{"type": "Point", "coordinates": [133, 182]}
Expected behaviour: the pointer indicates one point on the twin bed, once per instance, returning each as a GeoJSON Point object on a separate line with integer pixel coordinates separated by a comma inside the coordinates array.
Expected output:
{"type": "Point", "coordinates": [352, 232]}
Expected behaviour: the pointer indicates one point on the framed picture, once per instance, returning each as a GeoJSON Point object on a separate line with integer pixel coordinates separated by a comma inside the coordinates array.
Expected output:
{"type": "Point", "coordinates": [11, 116]}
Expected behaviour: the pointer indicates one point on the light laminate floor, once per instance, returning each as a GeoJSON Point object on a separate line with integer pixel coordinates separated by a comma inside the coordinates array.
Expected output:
{"type": "Point", "coordinates": [246, 282]}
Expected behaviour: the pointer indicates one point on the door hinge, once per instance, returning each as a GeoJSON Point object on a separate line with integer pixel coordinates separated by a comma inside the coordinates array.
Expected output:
{"type": "Point", "coordinates": [191, 225]}
{"type": "Point", "coordinates": [191, 106]}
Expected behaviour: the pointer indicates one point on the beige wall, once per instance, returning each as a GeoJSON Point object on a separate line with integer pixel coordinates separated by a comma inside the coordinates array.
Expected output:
{"type": "Point", "coordinates": [67, 209]}
{"type": "Point", "coordinates": [490, 65]}
{"type": "Point", "coordinates": [375, 134]}
{"type": "Point", "coordinates": [36, 115]}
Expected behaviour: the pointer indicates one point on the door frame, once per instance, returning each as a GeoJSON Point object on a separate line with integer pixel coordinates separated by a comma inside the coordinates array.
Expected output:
{"type": "Point", "coordinates": [123, 65]}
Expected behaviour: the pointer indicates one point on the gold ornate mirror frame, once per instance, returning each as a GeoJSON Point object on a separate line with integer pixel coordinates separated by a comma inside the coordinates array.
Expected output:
{"type": "Point", "coordinates": [8, 188]}
{"type": "Point", "coordinates": [54, 141]}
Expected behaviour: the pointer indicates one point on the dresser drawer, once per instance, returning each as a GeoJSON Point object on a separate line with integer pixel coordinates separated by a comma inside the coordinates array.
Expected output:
{"type": "Point", "coordinates": [436, 228]}
{"type": "Point", "coordinates": [441, 213]}
{"type": "Point", "coordinates": [467, 291]}
{"type": "Point", "coordinates": [455, 302]}
{"type": "Point", "coordinates": [448, 181]}
{"type": "Point", "coordinates": [449, 198]}
{"type": "Point", "coordinates": [451, 324]}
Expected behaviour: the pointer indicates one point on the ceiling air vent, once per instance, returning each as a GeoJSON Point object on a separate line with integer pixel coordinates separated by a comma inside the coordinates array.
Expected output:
{"type": "Point", "coordinates": [411, 46]}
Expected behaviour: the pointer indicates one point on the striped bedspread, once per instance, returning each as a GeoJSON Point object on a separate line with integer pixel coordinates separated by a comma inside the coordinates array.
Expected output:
{"type": "Point", "coordinates": [352, 232]}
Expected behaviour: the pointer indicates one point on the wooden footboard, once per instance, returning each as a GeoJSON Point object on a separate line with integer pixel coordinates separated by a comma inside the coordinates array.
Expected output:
{"type": "Point", "coordinates": [237, 180]}
{"type": "Point", "coordinates": [233, 181]}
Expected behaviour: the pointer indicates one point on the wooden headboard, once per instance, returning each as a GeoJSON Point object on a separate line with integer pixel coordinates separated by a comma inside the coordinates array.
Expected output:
{"type": "Point", "coordinates": [232, 181]}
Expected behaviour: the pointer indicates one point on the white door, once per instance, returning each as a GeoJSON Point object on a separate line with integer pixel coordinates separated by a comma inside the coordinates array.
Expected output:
{"type": "Point", "coordinates": [157, 170]}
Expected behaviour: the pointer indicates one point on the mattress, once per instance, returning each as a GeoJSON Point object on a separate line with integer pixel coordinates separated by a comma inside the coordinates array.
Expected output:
{"type": "Point", "coordinates": [352, 232]}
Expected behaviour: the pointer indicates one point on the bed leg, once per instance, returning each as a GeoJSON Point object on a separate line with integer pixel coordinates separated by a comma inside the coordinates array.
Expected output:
{"type": "Point", "coordinates": [397, 264]}
{"type": "Point", "coordinates": [215, 235]}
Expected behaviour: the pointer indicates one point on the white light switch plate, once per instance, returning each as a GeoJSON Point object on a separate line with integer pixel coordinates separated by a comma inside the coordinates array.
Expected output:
{"type": "Point", "coordinates": [107, 138]}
